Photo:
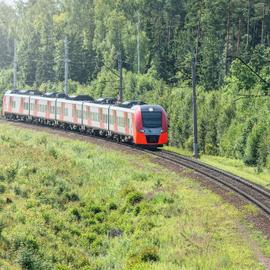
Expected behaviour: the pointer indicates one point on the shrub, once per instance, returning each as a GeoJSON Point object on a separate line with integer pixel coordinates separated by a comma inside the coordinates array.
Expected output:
{"type": "Point", "coordinates": [53, 152]}
{"type": "Point", "coordinates": [134, 197]}
{"type": "Point", "coordinates": [95, 209]}
{"type": "Point", "coordinates": [11, 172]}
{"type": "Point", "coordinates": [71, 197]}
{"type": "Point", "coordinates": [112, 206]}
{"type": "Point", "coordinates": [252, 150]}
{"type": "Point", "coordinates": [76, 213]}
{"type": "Point", "coordinates": [2, 188]}
{"type": "Point", "coordinates": [90, 237]}
{"type": "Point", "coordinates": [149, 254]}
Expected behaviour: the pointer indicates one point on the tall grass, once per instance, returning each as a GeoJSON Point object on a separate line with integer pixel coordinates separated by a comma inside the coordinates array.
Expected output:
{"type": "Point", "coordinates": [71, 205]}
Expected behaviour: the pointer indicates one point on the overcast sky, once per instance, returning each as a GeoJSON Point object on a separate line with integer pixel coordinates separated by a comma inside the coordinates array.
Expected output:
{"type": "Point", "coordinates": [8, 1]}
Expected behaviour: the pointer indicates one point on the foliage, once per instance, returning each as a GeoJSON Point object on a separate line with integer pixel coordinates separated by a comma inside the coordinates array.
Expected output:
{"type": "Point", "coordinates": [166, 33]}
{"type": "Point", "coordinates": [93, 209]}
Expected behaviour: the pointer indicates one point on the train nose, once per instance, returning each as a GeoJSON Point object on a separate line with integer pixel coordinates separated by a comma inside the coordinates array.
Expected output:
{"type": "Point", "coordinates": [152, 135]}
{"type": "Point", "coordinates": [152, 138]}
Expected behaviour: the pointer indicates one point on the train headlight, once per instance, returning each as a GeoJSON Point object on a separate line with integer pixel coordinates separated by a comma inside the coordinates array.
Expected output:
{"type": "Point", "coordinates": [142, 130]}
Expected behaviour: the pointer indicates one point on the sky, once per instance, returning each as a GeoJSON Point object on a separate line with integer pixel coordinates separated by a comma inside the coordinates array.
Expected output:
{"type": "Point", "coordinates": [11, 2]}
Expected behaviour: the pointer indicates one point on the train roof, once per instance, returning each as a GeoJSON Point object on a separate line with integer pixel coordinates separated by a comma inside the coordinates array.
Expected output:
{"type": "Point", "coordinates": [109, 100]}
{"type": "Point", "coordinates": [26, 92]}
{"type": "Point", "coordinates": [151, 108]}
{"type": "Point", "coordinates": [131, 103]}
{"type": "Point", "coordinates": [86, 98]}
{"type": "Point", "coordinates": [81, 98]}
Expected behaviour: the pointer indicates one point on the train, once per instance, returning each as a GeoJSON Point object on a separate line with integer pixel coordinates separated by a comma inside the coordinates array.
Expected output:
{"type": "Point", "coordinates": [131, 121]}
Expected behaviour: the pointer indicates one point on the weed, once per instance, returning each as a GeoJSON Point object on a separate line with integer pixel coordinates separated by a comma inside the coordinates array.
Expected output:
{"type": "Point", "coordinates": [71, 197]}
{"type": "Point", "coordinates": [158, 183]}
{"type": "Point", "coordinates": [53, 152]}
{"type": "Point", "coordinates": [95, 209]}
{"type": "Point", "coordinates": [149, 254]}
{"type": "Point", "coordinates": [112, 206]}
{"type": "Point", "coordinates": [11, 172]}
{"type": "Point", "coordinates": [90, 237]}
{"type": "Point", "coordinates": [2, 188]}
{"type": "Point", "coordinates": [76, 213]}
{"type": "Point", "coordinates": [134, 197]}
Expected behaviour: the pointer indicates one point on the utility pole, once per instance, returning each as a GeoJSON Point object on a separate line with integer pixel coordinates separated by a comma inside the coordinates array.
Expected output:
{"type": "Point", "coordinates": [194, 106]}
{"type": "Point", "coordinates": [138, 43]}
{"type": "Point", "coordinates": [120, 69]}
{"type": "Point", "coordinates": [120, 64]}
{"type": "Point", "coordinates": [15, 67]}
{"type": "Point", "coordinates": [66, 66]}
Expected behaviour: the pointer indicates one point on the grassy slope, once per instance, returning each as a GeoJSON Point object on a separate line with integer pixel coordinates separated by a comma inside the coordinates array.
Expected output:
{"type": "Point", "coordinates": [73, 205]}
{"type": "Point", "coordinates": [234, 166]}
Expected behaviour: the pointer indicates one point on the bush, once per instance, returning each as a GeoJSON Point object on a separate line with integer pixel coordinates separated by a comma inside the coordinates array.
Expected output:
{"type": "Point", "coordinates": [2, 188]}
{"type": "Point", "coordinates": [252, 150]}
{"type": "Point", "coordinates": [134, 198]}
{"type": "Point", "coordinates": [149, 254]}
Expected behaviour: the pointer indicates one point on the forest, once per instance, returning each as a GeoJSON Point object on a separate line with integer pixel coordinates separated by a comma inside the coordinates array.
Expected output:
{"type": "Point", "coordinates": [154, 40]}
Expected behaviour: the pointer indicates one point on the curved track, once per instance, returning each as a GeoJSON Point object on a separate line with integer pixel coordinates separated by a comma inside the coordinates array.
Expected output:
{"type": "Point", "coordinates": [252, 192]}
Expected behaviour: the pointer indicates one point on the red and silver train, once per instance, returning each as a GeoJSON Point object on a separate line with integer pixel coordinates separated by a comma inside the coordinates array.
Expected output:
{"type": "Point", "coordinates": [131, 121]}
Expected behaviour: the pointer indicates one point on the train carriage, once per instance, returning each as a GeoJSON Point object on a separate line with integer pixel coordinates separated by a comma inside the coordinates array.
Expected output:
{"type": "Point", "coordinates": [15, 105]}
{"type": "Point", "coordinates": [121, 120]}
{"type": "Point", "coordinates": [69, 111]}
{"type": "Point", "coordinates": [96, 116]}
{"type": "Point", "coordinates": [130, 121]}
{"type": "Point", "coordinates": [42, 108]}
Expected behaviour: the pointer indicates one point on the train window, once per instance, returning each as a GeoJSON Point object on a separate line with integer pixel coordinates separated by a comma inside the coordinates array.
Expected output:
{"type": "Point", "coordinates": [152, 119]}
{"type": "Point", "coordinates": [88, 115]}
{"type": "Point", "coordinates": [66, 111]}
{"type": "Point", "coordinates": [105, 118]}
{"type": "Point", "coordinates": [58, 110]}
{"type": "Point", "coordinates": [112, 120]}
{"type": "Point", "coordinates": [121, 121]}
{"type": "Point", "coordinates": [42, 108]}
{"type": "Point", "coordinates": [95, 117]}
{"type": "Point", "coordinates": [79, 113]}
{"type": "Point", "coordinates": [31, 106]}
{"type": "Point", "coordinates": [26, 106]}
{"type": "Point", "coordinates": [129, 123]}
{"type": "Point", "coordinates": [52, 109]}
{"type": "Point", "coordinates": [13, 104]}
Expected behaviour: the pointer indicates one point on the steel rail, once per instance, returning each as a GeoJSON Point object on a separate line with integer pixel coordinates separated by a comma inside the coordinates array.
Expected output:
{"type": "Point", "coordinates": [252, 192]}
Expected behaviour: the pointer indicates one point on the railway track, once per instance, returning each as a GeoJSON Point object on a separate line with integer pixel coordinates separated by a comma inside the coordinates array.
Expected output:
{"type": "Point", "coordinates": [256, 194]}
{"type": "Point", "coordinates": [252, 192]}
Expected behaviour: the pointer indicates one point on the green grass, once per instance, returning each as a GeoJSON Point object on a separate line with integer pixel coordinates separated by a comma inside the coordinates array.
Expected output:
{"type": "Point", "coordinates": [234, 166]}
{"type": "Point", "coordinates": [67, 204]}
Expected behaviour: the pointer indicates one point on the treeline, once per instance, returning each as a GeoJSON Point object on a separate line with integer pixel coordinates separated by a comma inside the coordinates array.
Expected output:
{"type": "Point", "coordinates": [155, 41]}
{"type": "Point", "coordinates": [166, 32]}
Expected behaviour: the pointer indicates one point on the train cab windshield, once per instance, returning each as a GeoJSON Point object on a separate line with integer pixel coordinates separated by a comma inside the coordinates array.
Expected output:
{"type": "Point", "coordinates": [152, 119]}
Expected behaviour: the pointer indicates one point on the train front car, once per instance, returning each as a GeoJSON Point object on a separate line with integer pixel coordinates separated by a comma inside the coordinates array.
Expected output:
{"type": "Point", "coordinates": [151, 126]}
